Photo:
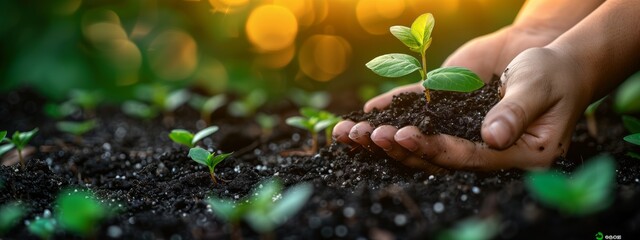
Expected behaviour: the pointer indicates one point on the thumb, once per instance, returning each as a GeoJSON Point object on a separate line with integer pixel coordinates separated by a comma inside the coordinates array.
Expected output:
{"type": "Point", "coordinates": [507, 121]}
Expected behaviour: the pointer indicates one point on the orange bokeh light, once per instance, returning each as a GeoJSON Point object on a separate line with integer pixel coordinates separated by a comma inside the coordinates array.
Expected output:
{"type": "Point", "coordinates": [271, 27]}
{"type": "Point", "coordinates": [323, 57]}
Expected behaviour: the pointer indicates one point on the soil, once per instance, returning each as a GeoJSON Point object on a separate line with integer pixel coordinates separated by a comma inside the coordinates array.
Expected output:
{"type": "Point", "coordinates": [357, 194]}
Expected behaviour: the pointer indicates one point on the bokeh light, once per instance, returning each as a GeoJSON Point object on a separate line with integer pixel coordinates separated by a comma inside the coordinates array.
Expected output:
{"type": "Point", "coordinates": [173, 55]}
{"type": "Point", "coordinates": [211, 76]}
{"type": "Point", "coordinates": [307, 12]}
{"type": "Point", "coordinates": [271, 27]}
{"type": "Point", "coordinates": [376, 16]}
{"type": "Point", "coordinates": [276, 59]}
{"type": "Point", "coordinates": [323, 57]}
{"type": "Point", "coordinates": [65, 7]}
{"type": "Point", "coordinates": [227, 6]}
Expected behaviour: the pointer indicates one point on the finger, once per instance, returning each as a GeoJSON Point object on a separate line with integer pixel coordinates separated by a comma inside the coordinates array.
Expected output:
{"type": "Point", "coordinates": [383, 100]}
{"type": "Point", "coordinates": [383, 137]}
{"type": "Point", "coordinates": [456, 153]}
{"type": "Point", "coordinates": [341, 132]}
{"type": "Point", "coordinates": [521, 105]}
{"type": "Point", "coordinates": [361, 134]}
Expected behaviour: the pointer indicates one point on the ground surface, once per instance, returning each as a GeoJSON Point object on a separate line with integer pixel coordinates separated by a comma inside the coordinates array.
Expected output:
{"type": "Point", "coordinates": [357, 194]}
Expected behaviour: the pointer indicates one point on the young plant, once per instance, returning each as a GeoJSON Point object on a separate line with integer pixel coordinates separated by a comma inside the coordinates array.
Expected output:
{"type": "Point", "coordinates": [314, 121]}
{"type": "Point", "coordinates": [267, 123]}
{"type": "Point", "coordinates": [302, 98]}
{"type": "Point", "coordinates": [155, 99]}
{"type": "Point", "coordinates": [4, 148]}
{"type": "Point", "coordinates": [267, 208]}
{"type": "Point", "coordinates": [184, 137]}
{"type": "Point", "coordinates": [139, 110]}
{"type": "Point", "coordinates": [10, 215]}
{"type": "Point", "coordinates": [472, 228]}
{"type": "Point", "coordinates": [248, 105]}
{"type": "Point", "coordinates": [587, 192]}
{"type": "Point", "coordinates": [59, 111]}
{"type": "Point", "coordinates": [418, 39]}
{"type": "Point", "coordinates": [80, 212]}
{"type": "Point", "coordinates": [19, 141]}
{"type": "Point", "coordinates": [43, 227]}
{"type": "Point", "coordinates": [208, 159]}
{"type": "Point", "coordinates": [76, 128]}
{"type": "Point", "coordinates": [633, 126]}
{"type": "Point", "coordinates": [590, 115]}
{"type": "Point", "coordinates": [207, 106]}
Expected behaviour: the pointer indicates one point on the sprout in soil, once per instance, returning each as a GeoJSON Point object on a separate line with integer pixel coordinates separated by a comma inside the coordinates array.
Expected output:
{"type": "Point", "coordinates": [76, 128]}
{"type": "Point", "coordinates": [87, 100]}
{"type": "Point", "coordinates": [10, 215]}
{"type": "Point", "coordinates": [267, 208]}
{"type": "Point", "coordinates": [80, 212]}
{"type": "Point", "coordinates": [139, 110]}
{"type": "Point", "coordinates": [472, 228]}
{"type": "Point", "coordinates": [19, 141]}
{"type": "Point", "coordinates": [248, 105]}
{"type": "Point", "coordinates": [43, 227]}
{"type": "Point", "coordinates": [156, 99]}
{"type": "Point", "coordinates": [59, 111]}
{"type": "Point", "coordinates": [208, 159]}
{"type": "Point", "coordinates": [588, 191]}
{"type": "Point", "coordinates": [207, 106]}
{"type": "Point", "coordinates": [4, 148]}
{"type": "Point", "coordinates": [301, 98]}
{"type": "Point", "coordinates": [633, 126]}
{"type": "Point", "coordinates": [418, 39]}
{"type": "Point", "coordinates": [314, 121]}
{"type": "Point", "coordinates": [186, 138]}
{"type": "Point", "coordinates": [590, 115]}
{"type": "Point", "coordinates": [267, 122]}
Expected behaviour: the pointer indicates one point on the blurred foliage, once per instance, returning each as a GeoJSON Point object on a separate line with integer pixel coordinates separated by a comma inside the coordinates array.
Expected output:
{"type": "Point", "coordinates": [220, 46]}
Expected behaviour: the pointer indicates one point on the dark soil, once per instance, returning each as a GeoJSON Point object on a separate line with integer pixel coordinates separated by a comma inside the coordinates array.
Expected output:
{"type": "Point", "coordinates": [457, 114]}
{"type": "Point", "coordinates": [357, 194]}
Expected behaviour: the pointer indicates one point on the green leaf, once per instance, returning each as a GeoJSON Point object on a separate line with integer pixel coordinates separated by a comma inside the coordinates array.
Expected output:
{"type": "Point", "coordinates": [631, 124]}
{"type": "Point", "coordinates": [226, 209]}
{"type": "Point", "coordinates": [309, 112]}
{"type": "Point", "coordinates": [627, 99]}
{"type": "Point", "coordinates": [421, 29]}
{"type": "Point", "coordinates": [5, 148]}
{"type": "Point", "coordinates": [472, 228]}
{"type": "Point", "coordinates": [139, 110]}
{"type": "Point", "coordinates": [20, 140]}
{"type": "Point", "coordinates": [633, 138]}
{"type": "Point", "coordinates": [176, 99]}
{"type": "Point", "coordinates": [182, 136]}
{"type": "Point", "coordinates": [2, 135]}
{"type": "Point", "coordinates": [457, 79]}
{"type": "Point", "coordinates": [290, 203]}
{"type": "Point", "coordinates": [300, 122]}
{"type": "Point", "coordinates": [266, 121]}
{"type": "Point", "coordinates": [76, 128]}
{"type": "Point", "coordinates": [326, 124]}
{"type": "Point", "coordinates": [593, 184]}
{"type": "Point", "coordinates": [394, 65]}
{"type": "Point", "coordinates": [42, 227]}
{"type": "Point", "coordinates": [10, 215]}
{"type": "Point", "coordinates": [634, 155]}
{"type": "Point", "coordinates": [213, 103]}
{"type": "Point", "coordinates": [591, 109]}
{"type": "Point", "coordinates": [550, 188]}
{"type": "Point", "coordinates": [403, 34]}
{"type": "Point", "coordinates": [79, 212]}
{"type": "Point", "coordinates": [204, 133]}
{"type": "Point", "coordinates": [200, 155]}
{"type": "Point", "coordinates": [215, 159]}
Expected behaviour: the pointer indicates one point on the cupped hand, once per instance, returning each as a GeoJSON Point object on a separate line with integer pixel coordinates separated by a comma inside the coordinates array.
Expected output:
{"type": "Point", "coordinates": [528, 128]}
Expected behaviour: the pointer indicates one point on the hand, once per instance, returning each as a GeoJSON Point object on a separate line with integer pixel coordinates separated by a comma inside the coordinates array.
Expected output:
{"type": "Point", "coordinates": [409, 145]}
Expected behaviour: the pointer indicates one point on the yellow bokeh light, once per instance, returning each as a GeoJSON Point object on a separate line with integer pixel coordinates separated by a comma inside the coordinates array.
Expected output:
{"type": "Point", "coordinates": [211, 76]}
{"type": "Point", "coordinates": [271, 27]}
{"type": "Point", "coordinates": [276, 59]}
{"type": "Point", "coordinates": [173, 55]}
{"type": "Point", "coordinates": [227, 5]}
{"type": "Point", "coordinates": [308, 12]}
{"type": "Point", "coordinates": [323, 57]}
{"type": "Point", "coordinates": [376, 16]}
{"type": "Point", "coordinates": [101, 34]}
{"type": "Point", "coordinates": [66, 7]}
{"type": "Point", "coordinates": [99, 15]}
{"type": "Point", "coordinates": [125, 59]}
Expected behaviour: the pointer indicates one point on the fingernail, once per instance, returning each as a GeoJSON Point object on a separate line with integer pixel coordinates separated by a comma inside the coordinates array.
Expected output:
{"type": "Point", "coordinates": [354, 134]}
{"type": "Point", "coordinates": [498, 130]}
{"type": "Point", "coordinates": [384, 144]}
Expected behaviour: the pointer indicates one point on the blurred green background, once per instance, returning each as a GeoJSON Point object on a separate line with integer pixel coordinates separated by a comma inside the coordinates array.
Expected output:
{"type": "Point", "coordinates": [223, 46]}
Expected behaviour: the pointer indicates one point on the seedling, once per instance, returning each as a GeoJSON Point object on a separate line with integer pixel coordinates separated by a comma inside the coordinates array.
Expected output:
{"type": "Point", "coordinates": [19, 141]}
{"type": "Point", "coordinates": [87, 100]}
{"type": "Point", "coordinates": [633, 126]}
{"type": "Point", "coordinates": [633, 138]}
{"type": "Point", "coordinates": [317, 99]}
{"type": "Point", "coordinates": [590, 115]}
{"type": "Point", "coordinates": [159, 99]}
{"type": "Point", "coordinates": [76, 128]}
{"type": "Point", "coordinates": [10, 214]}
{"type": "Point", "coordinates": [314, 121]}
{"type": "Point", "coordinates": [267, 123]}
{"type": "Point", "coordinates": [207, 106]}
{"type": "Point", "coordinates": [627, 99]}
{"type": "Point", "coordinates": [184, 137]}
{"type": "Point", "coordinates": [43, 227]}
{"type": "Point", "coordinates": [418, 39]}
{"type": "Point", "coordinates": [587, 192]}
{"type": "Point", "coordinates": [59, 111]}
{"type": "Point", "coordinates": [80, 212]}
{"type": "Point", "coordinates": [267, 208]}
{"type": "Point", "coordinates": [472, 228]}
{"type": "Point", "coordinates": [139, 110]}
{"type": "Point", "coordinates": [208, 159]}
{"type": "Point", "coordinates": [4, 148]}
{"type": "Point", "coordinates": [248, 105]}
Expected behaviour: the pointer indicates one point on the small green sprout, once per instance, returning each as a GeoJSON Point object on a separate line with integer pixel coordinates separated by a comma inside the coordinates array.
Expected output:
{"type": "Point", "coordinates": [43, 227]}
{"type": "Point", "coordinates": [267, 123]}
{"type": "Point", "coordinates": [248, 105]}
{"type": "Point", "coordinates": [418, 39]}
{"type": "Point", "coordinates": [184, 137]}
{"type": "Point", "coordinates": [155, 99]}
{"type": "Point", "coordinates": [4, 148]}
{"type": "Point", "coordinates": [76, 128]}
{"type": "Point", "coordinates": [587, 192]}
{"type": "Point", "coordinates": [207, 106]}
{"type": "Point", "coordinates": [472, 228]}
{"type": "Point", "coordinates": [590, 115]}
{"type": "Point", "coordinates": [314, 121]}
{"type": "Point", "coordinates": [10, 215]}
{"type": "Point", "coordinates": [633, 138]}
{"type": "Point", "coordinates": [627, 99]}
{"type": "Point", "coordinates": [633, 126]}
{"type": "Point", "coordinates": [139, 110]}
{"type": "Point", "coordinates": [59, 111]}
{"type": "Point", "coordinates": [19, 141]}
{"type": "Point", "coordinates": [265, 208]}
{"type": "Point", "coordinates": [87, 100]}
{"type": "Point", "coordinates": [208, 159]}
{"type": "Point", "coordinates": [301, 98]}
{"type": "Point", "coordinates": [80, 212]}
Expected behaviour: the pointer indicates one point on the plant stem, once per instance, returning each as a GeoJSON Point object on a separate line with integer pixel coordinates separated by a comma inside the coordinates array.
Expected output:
{"type": "Point", "coordinates": [213, 176]}
{"type": "Point", "coordinates": [20, 157]}
{"type": "Point", "coordinates": [327, 135]}
{"type": "Point", "coordinates": [424, 77]}
{"type": "Point", "coordinates": [314, 142]}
